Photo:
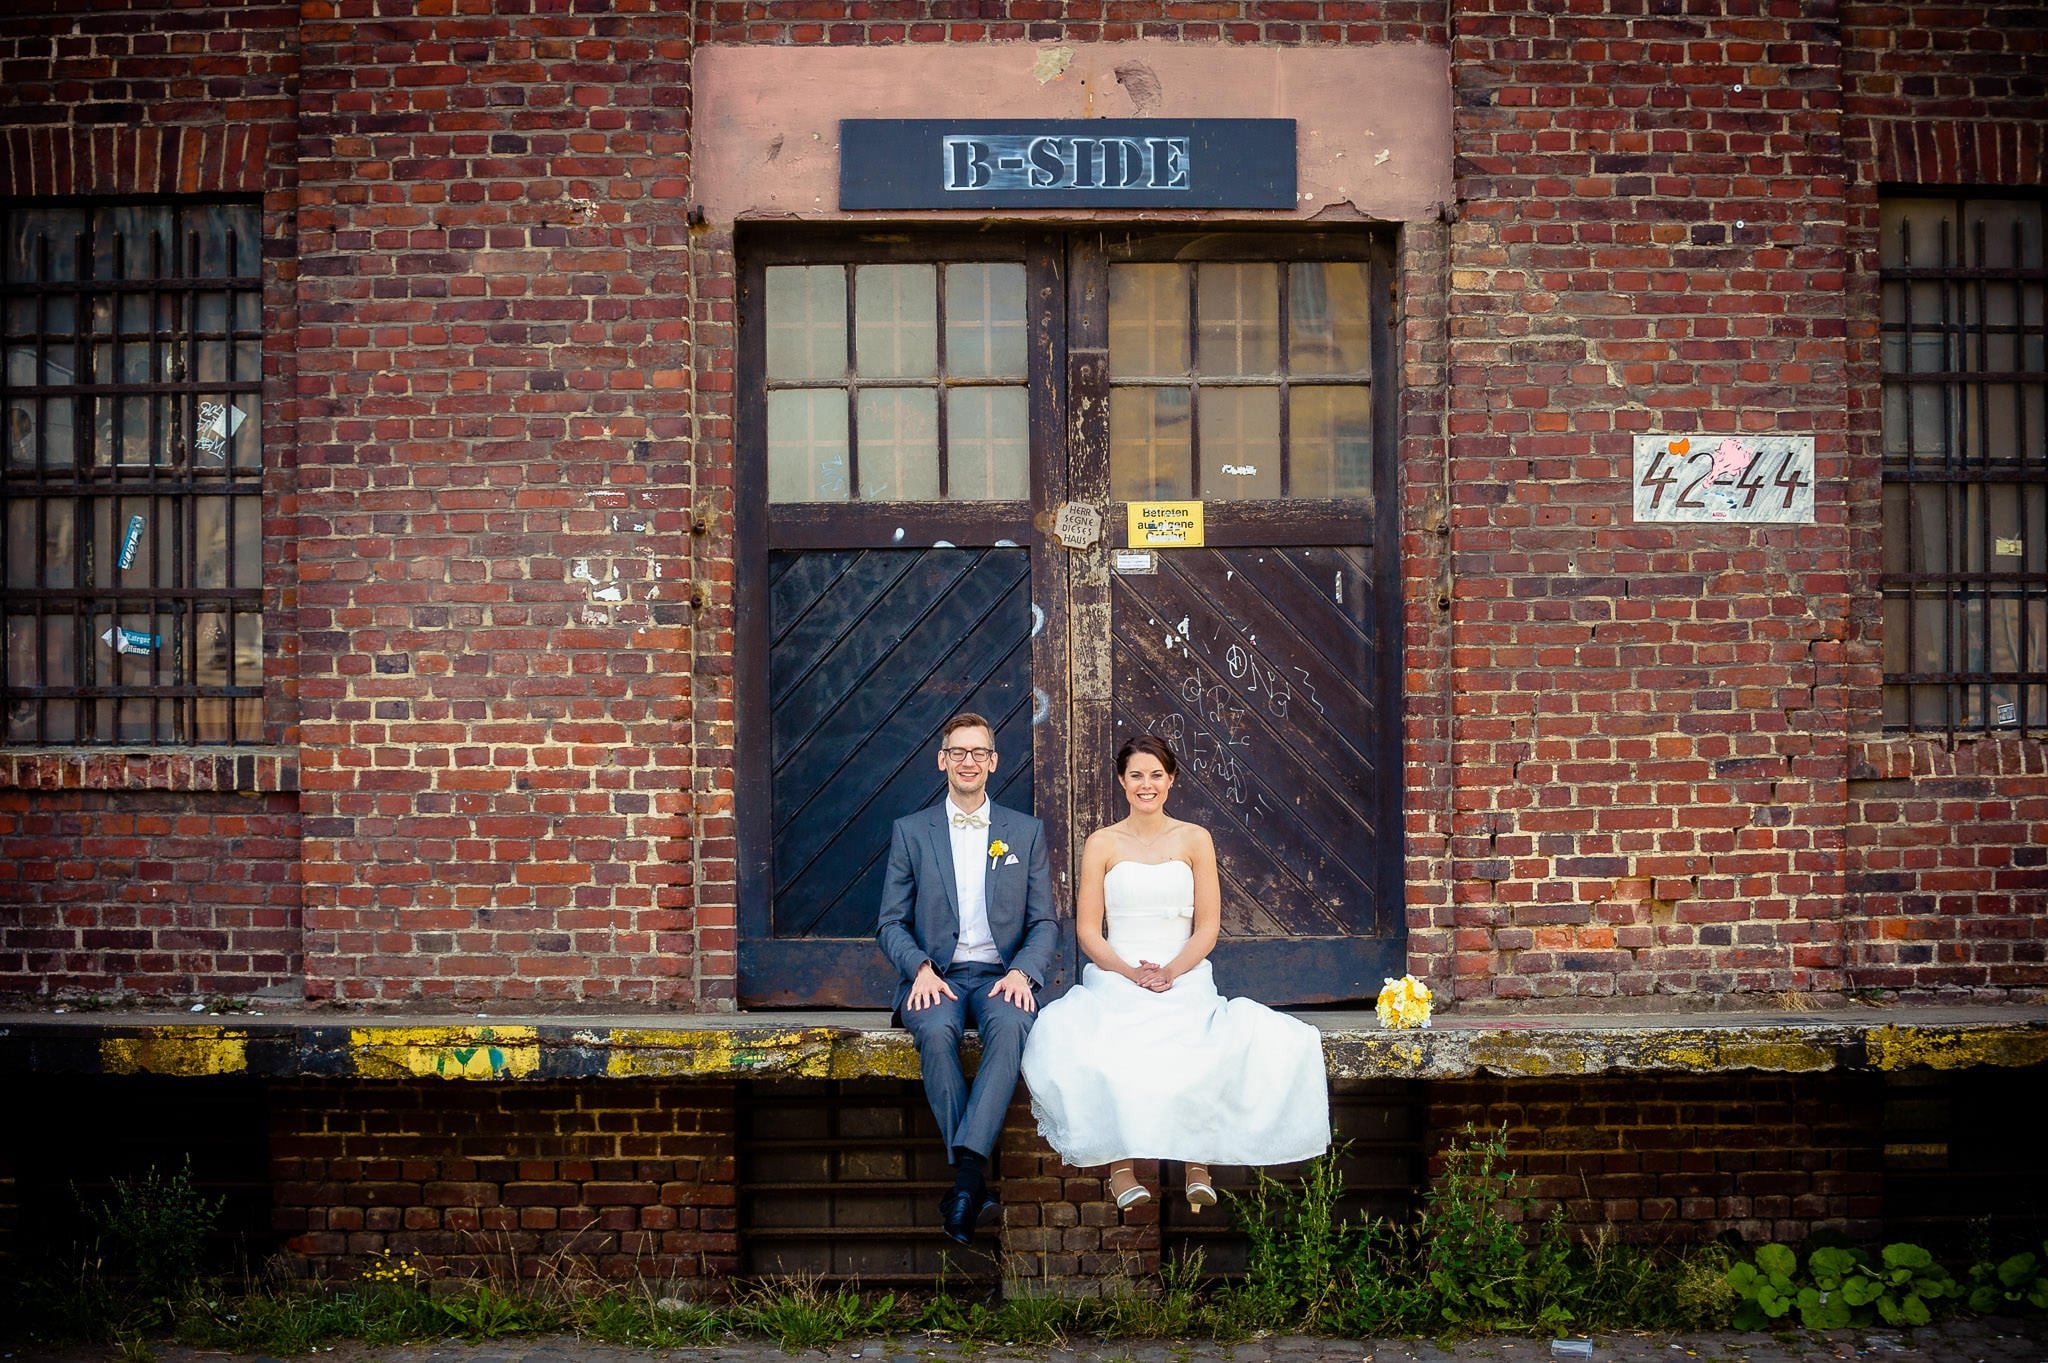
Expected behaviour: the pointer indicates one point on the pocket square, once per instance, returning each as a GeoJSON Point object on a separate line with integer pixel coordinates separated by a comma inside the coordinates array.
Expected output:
{"type": "Point", "coordinates": [1010, 860]}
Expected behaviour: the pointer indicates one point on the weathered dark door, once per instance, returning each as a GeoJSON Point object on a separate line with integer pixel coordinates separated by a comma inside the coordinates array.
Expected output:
{"type": "Point", "coordinates": [1243, 372]}
{"type": "Point", "coordinates": [914, 415]}
{"type": "Point", "coordinates": [898, 435]}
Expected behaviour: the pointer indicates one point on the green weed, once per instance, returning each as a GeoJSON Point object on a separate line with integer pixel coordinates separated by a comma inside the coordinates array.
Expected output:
{"type": "Point", "coordinates": [1841, 1287]}
{"type": "Point", "coordinates": [488, 1313]}
{"type": "Point", "coordinates": [635, 1315]}
{"type": "Point", "coordinates": [1467, 1263]}
{"type": "Point", "coordinates": [2011, 1285]}
{"type": "Point", "coordinates": [152, 1231]}
{"type": "Point", "coordinates": [798, 1313]}
{"type": "Point", "coordinates": [1295, 1250]}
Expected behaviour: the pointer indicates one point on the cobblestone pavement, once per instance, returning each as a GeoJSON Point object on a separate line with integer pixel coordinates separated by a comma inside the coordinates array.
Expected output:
{"type": "Point", "coordinates": [1967, 1341]}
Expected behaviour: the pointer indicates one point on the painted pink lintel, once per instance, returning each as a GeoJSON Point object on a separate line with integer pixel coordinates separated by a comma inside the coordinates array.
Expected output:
{"type": "Point", "coordinates": [1372, 124]}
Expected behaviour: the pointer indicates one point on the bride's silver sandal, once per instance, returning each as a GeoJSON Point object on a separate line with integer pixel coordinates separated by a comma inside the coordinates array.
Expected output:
{"type": "Point", "coordinates": [1201, 1193]}
{"type": "Point", "coordinates": [1131, 1194]}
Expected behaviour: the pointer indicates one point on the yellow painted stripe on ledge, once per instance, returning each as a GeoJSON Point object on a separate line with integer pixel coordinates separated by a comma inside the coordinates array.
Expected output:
{"type": "Point", "coordinates": [795, 1050]}
{"type": "Point", "coordinates": [445, 1052]}
{"type": "Point", "coordinates": [185, 1051]}
{"type": "Point", "coordinates": [803, 1053]}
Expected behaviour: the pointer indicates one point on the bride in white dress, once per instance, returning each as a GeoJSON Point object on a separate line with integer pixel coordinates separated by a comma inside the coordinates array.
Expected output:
{"type": "Point", "coordinates": [1145, 1060]}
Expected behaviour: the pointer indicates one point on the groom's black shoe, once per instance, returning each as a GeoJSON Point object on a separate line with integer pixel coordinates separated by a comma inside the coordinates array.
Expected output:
{"type": "Point", "coordinates": [961, 1210]}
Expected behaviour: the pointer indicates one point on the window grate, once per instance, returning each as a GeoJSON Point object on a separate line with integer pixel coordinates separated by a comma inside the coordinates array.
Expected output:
{"type": "Point", "coordinates": [1965, 573]}
{"type": "Point", "coordinates": [131, 540]}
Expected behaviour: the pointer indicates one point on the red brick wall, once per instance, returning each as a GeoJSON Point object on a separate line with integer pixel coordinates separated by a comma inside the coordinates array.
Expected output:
{"type": "Point", "coordinates": [1766, 1157]}
{"type": "Point", "coordinates": [1429, 677]}
{"type": "Point", "coordinates": [117, 894]}
{"type": "Point", "coordinates": [1646, 760]}
{"type": "Point", "coordinates": [716, 850]}
{"type": "Point", "coordinates": [616, 1179]}
{"type": "Point", "coordinates": [495, 472]}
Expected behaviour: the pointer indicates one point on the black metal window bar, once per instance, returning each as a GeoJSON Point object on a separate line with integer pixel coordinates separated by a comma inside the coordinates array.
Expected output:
{"type": "Point", "coordinates": [132, 535]}
{"type": "Point", "coordinates": [1965, 563]}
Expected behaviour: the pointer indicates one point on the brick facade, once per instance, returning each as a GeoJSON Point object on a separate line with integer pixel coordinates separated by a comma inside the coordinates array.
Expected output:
{"type": "Point", "coordinates": [1644, 764]}
{"type": "Point", "coordinates": [1763, 1158]}
{"type": "Point", "coordinates": [1647, 734]}
{"type": "Point", "coordinates": [845, 23]}
{"type": "Point", "coordinates": [116, 894]}
{"type": "Point", "coordinates": [614, 1180]}
{"type": "Point", "coordinates": [495, 478]}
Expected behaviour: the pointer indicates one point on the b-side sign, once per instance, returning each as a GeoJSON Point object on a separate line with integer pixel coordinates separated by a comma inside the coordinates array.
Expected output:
{"type": "Point", "coordinates": [1066, 163]}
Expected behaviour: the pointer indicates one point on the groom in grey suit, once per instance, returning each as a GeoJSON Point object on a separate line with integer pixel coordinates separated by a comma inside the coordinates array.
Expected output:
{"type": "Point", "coordinates": [967, 920]}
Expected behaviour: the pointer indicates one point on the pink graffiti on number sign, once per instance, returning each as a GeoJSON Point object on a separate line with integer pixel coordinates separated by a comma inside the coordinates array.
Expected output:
{"type": "Point", "coordinates": [1730, 457]}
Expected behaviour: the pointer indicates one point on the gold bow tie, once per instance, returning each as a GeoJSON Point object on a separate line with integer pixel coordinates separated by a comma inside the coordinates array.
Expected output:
{"type": "Point", "coordinates": [970, 820]}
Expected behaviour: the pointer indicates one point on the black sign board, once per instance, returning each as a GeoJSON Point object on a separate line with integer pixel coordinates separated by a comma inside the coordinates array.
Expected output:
{"type": "Point", "coordinates": [1066, 163]}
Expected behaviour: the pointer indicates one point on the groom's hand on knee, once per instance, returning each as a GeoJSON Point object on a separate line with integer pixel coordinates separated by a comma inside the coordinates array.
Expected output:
{"type": "Point", "coordinates": [1016, 987]}
{"type": "Point", "coordinates": [927, 989]}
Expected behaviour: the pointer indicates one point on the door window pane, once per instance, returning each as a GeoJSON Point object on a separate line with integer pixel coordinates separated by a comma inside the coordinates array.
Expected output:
{"type": "Point", "coordinates": [1148, 320]}
{"type": "Point", "coordinates": [1242, 447]}
{"type": "Point", "coordinates": [893, 380]}
{"type": "Point", "coordinates": [1329, 442]}
{"type": "Point", "coordinates": [896, 322]}
{"type": "Point", "coordinates": [899, 444]}
{"type": "Point", "coordinates": [807, 446]}
{"type": "Point", "coordinates": [1240, 319]}
{"type": "Point", "coordinates": [988, 444]}
{"type": "Point", "coordinates": [1328, 318]}
{"type": "Point", "coordinates": [806, 322]}
{"type": "Point", "coordinates": [1240, 429]}
{"type": "Point", "coordinates": [1150, 456]}
{"type": "Point", "coordinates": [985, 330]}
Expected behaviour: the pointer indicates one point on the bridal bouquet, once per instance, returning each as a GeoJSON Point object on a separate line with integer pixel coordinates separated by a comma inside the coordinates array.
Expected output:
{"type": "Point", "coordinates": [1404, 1003]}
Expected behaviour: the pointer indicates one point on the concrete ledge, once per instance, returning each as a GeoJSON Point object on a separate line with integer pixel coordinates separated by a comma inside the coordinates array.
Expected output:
{"type": "Point", "coordinates": [863, 1045]}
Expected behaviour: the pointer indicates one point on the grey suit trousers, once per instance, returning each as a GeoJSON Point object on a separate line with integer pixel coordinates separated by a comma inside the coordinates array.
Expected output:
{"type": "Point", "coordinates": [970, 1115]}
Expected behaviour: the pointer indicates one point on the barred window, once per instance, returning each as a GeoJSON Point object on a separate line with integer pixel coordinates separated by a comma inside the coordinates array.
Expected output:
{"type": "Point", "coordinates": [132, 533]}
{"type": "Point", "coordinates": [1965, 581]}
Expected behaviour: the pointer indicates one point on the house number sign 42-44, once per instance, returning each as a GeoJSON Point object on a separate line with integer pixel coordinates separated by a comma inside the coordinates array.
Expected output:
{"type": "Point", "coordinates": [1751, 479]}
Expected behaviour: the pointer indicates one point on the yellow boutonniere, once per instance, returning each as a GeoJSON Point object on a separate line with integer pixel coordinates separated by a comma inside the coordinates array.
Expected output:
{"type": "Point", "coordinates": [997, 848]}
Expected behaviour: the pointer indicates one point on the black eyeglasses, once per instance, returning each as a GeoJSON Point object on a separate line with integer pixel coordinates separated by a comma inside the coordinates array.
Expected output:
{"type": "Point", "coordinates": [962, 754]}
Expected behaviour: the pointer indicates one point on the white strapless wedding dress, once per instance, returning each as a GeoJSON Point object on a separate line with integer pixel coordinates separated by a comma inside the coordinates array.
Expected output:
{"type": "Point", "coordinates": [1117, 1071]}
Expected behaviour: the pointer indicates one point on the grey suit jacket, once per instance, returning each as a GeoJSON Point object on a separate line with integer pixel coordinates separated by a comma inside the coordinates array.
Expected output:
{"type": "Point", "coordinates": [920, 911]}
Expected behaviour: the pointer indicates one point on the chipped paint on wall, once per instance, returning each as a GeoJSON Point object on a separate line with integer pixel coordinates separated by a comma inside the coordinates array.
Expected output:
{"type": "Point", "coordinates": [1899, 1048]}
{"type": "Point", "coordinates": [760, 105]}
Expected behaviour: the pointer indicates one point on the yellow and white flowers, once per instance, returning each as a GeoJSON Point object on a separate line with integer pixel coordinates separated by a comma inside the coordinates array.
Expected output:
{"type": "Point", "coordinates": [1404, 1003]}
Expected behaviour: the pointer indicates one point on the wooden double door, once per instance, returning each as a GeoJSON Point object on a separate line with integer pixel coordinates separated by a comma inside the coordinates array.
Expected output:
{"type": "Point", "coordinates": [915, 412]}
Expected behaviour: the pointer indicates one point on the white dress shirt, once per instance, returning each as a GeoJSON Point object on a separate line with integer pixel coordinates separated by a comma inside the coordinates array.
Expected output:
{"type": "Point", "coordinates": [970, 879]}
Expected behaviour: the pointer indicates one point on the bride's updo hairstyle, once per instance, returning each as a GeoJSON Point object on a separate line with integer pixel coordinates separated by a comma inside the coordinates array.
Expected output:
{"type": "Point", "coordinates": [1152, 746]}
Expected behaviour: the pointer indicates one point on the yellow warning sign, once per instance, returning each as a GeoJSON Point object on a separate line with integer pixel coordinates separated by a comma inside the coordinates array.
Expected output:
{"type": "Point", "coordinates": [1166, 525]}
